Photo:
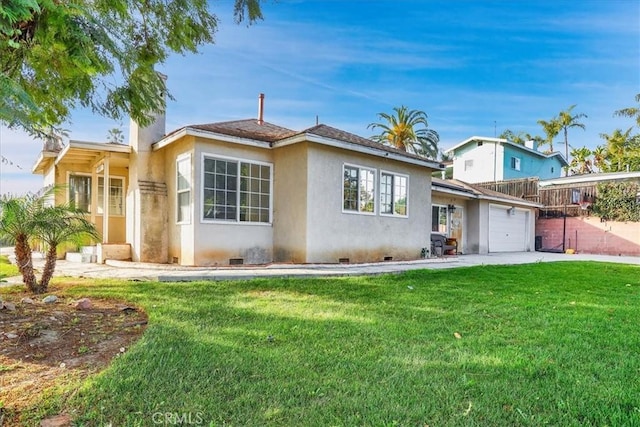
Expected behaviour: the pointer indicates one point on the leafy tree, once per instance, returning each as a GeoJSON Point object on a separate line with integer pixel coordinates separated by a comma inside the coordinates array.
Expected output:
{"type": "Point", "coordinates": [399, 131]}
{"type": "Point", "coordinates": [551, 129]}
{"type": "Point", "coordinates": [521, 137]}
{"type": "Point", "coordinates": [56, 55]}
{"type": "Point", "coordinates": [622, 152]}
{"type": "Point", "coordinates": [567, 121]}
{"type": "Point", "coordinates": [28, 219]}
{"type": "Point", "coordinates": [633, 112]}
{"type": "Point", "coordinates": [581, 161]}
{"type": "Point", "coordinates": [618, 201]}
{"type": "Point", "coordinates": [115, 136]}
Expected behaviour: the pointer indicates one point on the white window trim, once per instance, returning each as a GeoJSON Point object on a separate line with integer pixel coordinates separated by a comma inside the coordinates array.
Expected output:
{"type": "Point", "coordinates": [516, 163]}
{"type": "Point", "coordinates": [124, 196]}
{"type": "Point", "coordinates": [204, 220]}
{"type": "Point", "coordinates": [375, 186]}
{"type": "Point", "coordinates": [447, 225]}
{"type": "Point", "coordinates": [181, 158]}
{"type": "Point", "coordinates": [394, 174]}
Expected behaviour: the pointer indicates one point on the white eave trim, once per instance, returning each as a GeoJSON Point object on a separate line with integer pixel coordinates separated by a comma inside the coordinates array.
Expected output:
{"type": "Point", "coordinates": [310, 137]}
{"type": "Point", "coordinates": [199, 133]}
{"type": "Point", "coordinates": [510, 201]}
{"type": "Point", "coordinates": [595, 178]}
{"type": "Point", "coordinates": [41, 158]}
{"type": "Point", "coordinates": [461, 193]}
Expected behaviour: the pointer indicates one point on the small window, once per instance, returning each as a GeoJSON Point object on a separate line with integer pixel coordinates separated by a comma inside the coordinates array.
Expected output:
{"type": "Point", "coordinates": [80, 192]}
{"type": "Point", "coordinates": [480, 143]}
{"type": "Point", "coordinates": [183, 189]}
{"type": "Point", "coordinates": [439, 219]}
{"type": "Point", "coordinates": [553, 169]}
{"type": "Point", "coordinates": [116, 196]}
{"type": "Point", "coordinates": [468, 164]}
{"type": "Point", "coordinates": [393, 194]}
{"type": "Point", "coordinates": [358, 189]}
{"type": "Point", "coordinates": [515, 163]}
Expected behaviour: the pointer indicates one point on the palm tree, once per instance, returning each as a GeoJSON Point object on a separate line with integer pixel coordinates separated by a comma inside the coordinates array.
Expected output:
{"type": "Point", "coordinates": [581, 162]}
{"type": "Point", "coordinates": [521, 137]}
{"type": "Point", "coordinates": [600, 158]}
{"type": "Point", "coordinates": [567, 121]}
{"type": "Point", "coordinates": [17, 229]}
{"type": "Point", "coordinates": [399, 132]}
{"type": "Point", "coordinates": [115, 136]}
{"type": "Point", "coordinates": [551, 128]}
{"type": "Point", "coordinates": [55, 225]}
{"type": "Point", "coordinates": [633, 112]}
{"type": "Point", "coordinates": [28, 219]}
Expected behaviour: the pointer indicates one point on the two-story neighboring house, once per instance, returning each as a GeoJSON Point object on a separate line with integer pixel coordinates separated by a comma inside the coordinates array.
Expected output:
{"type": "Point", "coordinates": [482, 159]}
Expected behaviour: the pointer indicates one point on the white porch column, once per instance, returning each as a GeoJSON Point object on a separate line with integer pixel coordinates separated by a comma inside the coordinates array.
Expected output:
{"type": "Point", "coordinates": [106, 191]}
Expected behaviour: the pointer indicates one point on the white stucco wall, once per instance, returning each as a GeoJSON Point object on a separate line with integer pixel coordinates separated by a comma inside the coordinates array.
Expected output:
{"type": "Point", "coordinates": [486, 158]}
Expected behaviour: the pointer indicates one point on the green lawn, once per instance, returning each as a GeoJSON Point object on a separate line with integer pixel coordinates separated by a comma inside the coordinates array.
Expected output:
{"type": "Point", "coordinates": [540, 344]}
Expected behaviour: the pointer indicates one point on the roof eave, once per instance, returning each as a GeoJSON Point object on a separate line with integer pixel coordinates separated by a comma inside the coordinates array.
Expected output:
{"type": "Point", "coordinates": [189, 131]}
{"type": "Point", "coordinates": [331, 142]}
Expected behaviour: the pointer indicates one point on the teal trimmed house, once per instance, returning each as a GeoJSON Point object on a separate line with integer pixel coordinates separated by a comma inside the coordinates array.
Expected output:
{"type": "Point", "coordinates": [483, 159]}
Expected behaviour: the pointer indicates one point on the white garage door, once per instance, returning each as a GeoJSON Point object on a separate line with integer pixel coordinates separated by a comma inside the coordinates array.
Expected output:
{"type": "Point", "coordinates": [507, 229]}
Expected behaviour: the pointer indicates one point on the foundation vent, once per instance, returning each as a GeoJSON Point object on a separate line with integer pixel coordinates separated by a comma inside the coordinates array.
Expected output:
{"type": "Point", "coordinates": [236, 261]}
{"type": "Point", "coordinates": [343, 260]}
{"type": "Point", "coordinates": [388, 258]}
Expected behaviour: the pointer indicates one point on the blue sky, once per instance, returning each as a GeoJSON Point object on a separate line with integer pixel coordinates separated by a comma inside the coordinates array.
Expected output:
{"type": "Point", "coordinates": [475, 67]}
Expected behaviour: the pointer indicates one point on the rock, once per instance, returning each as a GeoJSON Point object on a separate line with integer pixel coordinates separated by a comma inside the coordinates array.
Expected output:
{"type": "Point", "coordinates": [50, 299]}
{"type": "Point", "coordinates": [83, 304]}
{"type": "Point", "coordinates": [11, 335]}
{"type": "Point", "coordinates": [62, 420]}
{"type": "Point", "coordinates": [27, 300]}
{"type": "Point", "coordinates": [9, 306]}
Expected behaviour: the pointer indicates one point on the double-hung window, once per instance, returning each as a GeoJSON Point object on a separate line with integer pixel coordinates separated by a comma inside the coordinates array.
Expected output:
{"type": "Point", "coordinates": [393, 194]}
{"type": "Point", "coordinates": [236, 190]}
{"type": "Point", "coordinates": [358, 189]}
{"type": "Point", "coordinates": [116, 196]}
{"type": "Point", "coordinates": [183, 189]}
{"type": "Point", "coordinates": [515, 163]}
{"type": "Point", "coordinates": [80, 192]}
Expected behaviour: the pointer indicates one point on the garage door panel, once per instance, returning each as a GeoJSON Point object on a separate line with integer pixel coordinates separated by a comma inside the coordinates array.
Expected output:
{"type": "Point", "coordinates": [507, 232]}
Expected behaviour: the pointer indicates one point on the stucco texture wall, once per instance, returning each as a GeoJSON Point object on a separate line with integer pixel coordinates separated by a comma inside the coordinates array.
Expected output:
{"type": "Point", "coordinates": [216, 243]}
{"type": "Point", "coordinates": [590, 235]}
{"type": "Point", "coordinates": [333, 234]}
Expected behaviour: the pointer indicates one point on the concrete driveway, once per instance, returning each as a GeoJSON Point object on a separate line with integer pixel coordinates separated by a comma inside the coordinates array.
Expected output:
{"type": "Point", "coordinates": [170, 273]}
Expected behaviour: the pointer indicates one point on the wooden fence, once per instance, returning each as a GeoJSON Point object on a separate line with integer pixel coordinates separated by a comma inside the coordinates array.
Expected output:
{"type": "Point", "coordinates": [574, 199]}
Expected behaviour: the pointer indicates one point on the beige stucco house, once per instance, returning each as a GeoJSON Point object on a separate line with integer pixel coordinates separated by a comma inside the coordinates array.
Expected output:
{"type": "Point", "coordinates": [248, 192]}
{"type": "Point", "coordinates": [482, 220]}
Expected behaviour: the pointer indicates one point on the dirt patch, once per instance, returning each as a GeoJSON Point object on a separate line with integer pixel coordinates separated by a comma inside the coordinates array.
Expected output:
{"type": "Point", "coordinates": [43, 345]}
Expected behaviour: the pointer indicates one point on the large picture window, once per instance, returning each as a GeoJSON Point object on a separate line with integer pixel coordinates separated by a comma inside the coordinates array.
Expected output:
{"type": "Point", "coordinates": [393, 194]}
{"type": "Point", "coordinates": [359, 189]}
{"type": "Point", "coordinates": [236, 190]}
{"type": "Point", "coordinates": [116, 196]}
{"type": "Point", "coordinates": [80, 192]}
{"type": "Point", "coordinates": [183, 189]}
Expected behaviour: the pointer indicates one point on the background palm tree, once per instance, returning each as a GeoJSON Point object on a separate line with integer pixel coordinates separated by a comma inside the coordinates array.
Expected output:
{"type": "Point", "coordinates": [567, 121]}
{"type": "Point", "coordinates": [633, 112]}
{"type": "Point", "coordinates": [399, 131]}
{"type": "Point", "coordinates": [581, 161]}
{"type": "Point", "coordinates": [551, 129]}
{"type": "Point", "coordinates": [621, 150]}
